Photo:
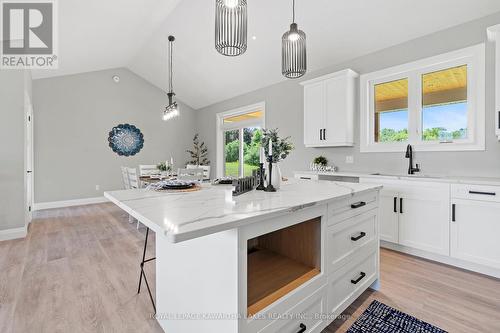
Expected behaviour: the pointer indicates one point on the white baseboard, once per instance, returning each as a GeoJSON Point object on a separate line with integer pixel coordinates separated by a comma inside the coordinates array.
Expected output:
{"type": "Point", "coordinates": [470, 266]}
{"type": "Point", "coordinates": [68, 203]}
{"type": "Point", "coordinates": [13, 233]}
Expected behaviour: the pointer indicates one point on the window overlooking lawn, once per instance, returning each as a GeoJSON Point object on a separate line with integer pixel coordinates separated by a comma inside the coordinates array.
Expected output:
{"type": "Point", "coordinates": [239, 137]}
{"type": "Point", "coordinates": [435, 104]}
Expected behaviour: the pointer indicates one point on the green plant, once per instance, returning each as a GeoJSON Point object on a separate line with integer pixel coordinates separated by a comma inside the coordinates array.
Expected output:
{"type": "Point", "coordinates": [281, 146]}
{"type": "Point", "coordinates": [252, 151]}
{"type": "Point", "coordinates": [321, 160]}
{"type": "Point", "coordinates": [164, 167]}
{"type": "Point", "coordinates": [232, 151]}
{"type": "Point", "coordinates": [199, 152]}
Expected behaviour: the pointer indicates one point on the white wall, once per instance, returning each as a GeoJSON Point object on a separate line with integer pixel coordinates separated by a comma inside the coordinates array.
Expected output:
{"type": "Point", "coordinates": [73, 116]}
{"type": "Point", "coordinates": [284, 109]}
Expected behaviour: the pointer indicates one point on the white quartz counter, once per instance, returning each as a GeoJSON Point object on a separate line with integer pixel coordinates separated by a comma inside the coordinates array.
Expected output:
{"type": "Point", "coordinates": [187, 215]}
{"type": "Point", "coordinates": [493, 181]}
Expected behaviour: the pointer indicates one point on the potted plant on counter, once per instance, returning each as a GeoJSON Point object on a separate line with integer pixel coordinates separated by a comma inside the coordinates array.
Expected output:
{"type": "Point", "coordinates": [281, 148]}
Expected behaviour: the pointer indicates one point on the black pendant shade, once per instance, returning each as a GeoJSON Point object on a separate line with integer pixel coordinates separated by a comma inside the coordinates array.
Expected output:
{"type": "Point", "coordinates": [231, 27]}
{"type": "Point", "coordinates": [293, 51]}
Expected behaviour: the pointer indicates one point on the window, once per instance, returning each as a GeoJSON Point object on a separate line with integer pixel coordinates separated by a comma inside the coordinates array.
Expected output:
{"type": "Point", "coordinates": [435, 104]}
{"type": "Point", "coordinates": [239, 134]}
{"type": "Point", "coordinates": [444, 105]}
{"type": "Point", "coordinates": [391, 111]}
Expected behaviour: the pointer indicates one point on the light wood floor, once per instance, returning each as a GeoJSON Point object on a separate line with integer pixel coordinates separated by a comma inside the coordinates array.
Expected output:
{"type": "Point", "coordinates": [77, 271]}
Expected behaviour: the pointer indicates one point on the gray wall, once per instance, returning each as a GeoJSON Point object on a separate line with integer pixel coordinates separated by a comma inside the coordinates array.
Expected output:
{"type": "Point", "coordinates": [284, 109]}
{"type": "Point", "coordinates": [12, 176]}
{"type": "Point", "coordinates": [73, 115]}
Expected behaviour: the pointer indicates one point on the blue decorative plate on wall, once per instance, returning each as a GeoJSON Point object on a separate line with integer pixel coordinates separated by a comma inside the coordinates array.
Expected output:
{"type": "Point", "coordinates": [126, 140]}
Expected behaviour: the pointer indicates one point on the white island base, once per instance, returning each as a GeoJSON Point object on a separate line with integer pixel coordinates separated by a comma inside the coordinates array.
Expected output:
{"type": "Point", "coordinates": [290, 267]}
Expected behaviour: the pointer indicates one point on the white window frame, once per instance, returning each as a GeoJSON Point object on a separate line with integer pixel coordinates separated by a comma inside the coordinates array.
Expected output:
{"type": "Point", "coordinates": [221, 128]}
{"type": "Point", "coordinates": [473, 57]}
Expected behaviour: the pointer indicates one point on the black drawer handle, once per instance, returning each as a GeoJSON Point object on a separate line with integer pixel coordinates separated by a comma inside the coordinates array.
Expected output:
{"type": "Point", "coordinates": [358, 204]}
{"type": "Point", "coordinates": [453, 209]}
{"type": "Point", "coordinates": [302, 328]}
{"type": "Point", "coordinates": [357, 238]}
{"type": "Point", "coordinates": [395, 204]}
{"type": "Point", "coordinates": [308, 178]}
{"type": "Point", "coordinates": [482, 193]}
{"type": "Point", "coordinates": [361, 276]}
{"type": "Point", "coordinates": [401, 205]}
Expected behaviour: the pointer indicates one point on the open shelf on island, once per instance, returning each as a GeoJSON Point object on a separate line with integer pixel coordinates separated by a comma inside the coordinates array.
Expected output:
{"type": "Point", "coordinates": [280, 262]}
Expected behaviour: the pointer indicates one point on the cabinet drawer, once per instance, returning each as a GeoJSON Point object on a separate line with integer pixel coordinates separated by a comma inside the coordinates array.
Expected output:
{"type": "Point", "coordinates": [347, 237]}
{"type": "Point", "coordinates": [352, 279]}
{"type": "Point", "coordinates": [476, 192]}
{"type": "Point", "coordinates": [305, 314]}
{"type": "Point", "coordinates": [356, 205]}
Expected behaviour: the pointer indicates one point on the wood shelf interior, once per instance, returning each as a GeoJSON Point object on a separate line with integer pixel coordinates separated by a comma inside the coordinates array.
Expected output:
{"type": "Point", "coordinates": [280, 262]}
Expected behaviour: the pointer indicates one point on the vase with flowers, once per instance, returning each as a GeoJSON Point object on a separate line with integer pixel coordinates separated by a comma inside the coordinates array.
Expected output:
{"type": "Point", "coordinates": [280, 149]}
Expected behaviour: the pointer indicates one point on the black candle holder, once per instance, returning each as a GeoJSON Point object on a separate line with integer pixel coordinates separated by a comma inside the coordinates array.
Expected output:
{"type": "Point", "coordinates": [261, 186]}
{"type": "Point", "coordinates": [270, 187]}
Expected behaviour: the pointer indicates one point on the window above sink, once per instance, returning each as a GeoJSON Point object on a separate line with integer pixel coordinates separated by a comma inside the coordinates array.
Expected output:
{"type": "Point", "coordinates": [435, 104]}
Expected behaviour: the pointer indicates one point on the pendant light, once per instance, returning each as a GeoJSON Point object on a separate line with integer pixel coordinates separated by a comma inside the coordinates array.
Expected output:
{"type": "Point", "coordinates": [172, 109]}
{"type": "Point", "coordinates": [293, 51]}
{"type": "Point", "coordinates": [231, 27]}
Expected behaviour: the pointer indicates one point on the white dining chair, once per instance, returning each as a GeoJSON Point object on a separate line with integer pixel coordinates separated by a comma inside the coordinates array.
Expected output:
{"type": "Point", "coordinates": [133, 179]}
{"type": "Point", "coordinates": [148, 170]}
{"type": "Point", "coordinates": [190, 174]}
{"type": "Point", "coordinates": [125, 181]}
{"type": "Point", "coordinates": [205, 168]}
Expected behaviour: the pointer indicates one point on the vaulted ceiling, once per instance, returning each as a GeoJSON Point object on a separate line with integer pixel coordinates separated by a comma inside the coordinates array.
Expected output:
{"type": "Point", "coordinates": [99, 34]}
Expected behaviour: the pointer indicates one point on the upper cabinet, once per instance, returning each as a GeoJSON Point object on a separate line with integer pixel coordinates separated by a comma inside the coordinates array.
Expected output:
{"type": "Point", "coordinates": [329, 103]}
{"type": "Point", "coordinates": [494, 36]}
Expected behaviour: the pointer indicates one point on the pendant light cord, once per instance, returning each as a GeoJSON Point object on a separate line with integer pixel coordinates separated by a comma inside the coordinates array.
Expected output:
{"type": "Point", "coordinates": [170, 63]}
{"type": "Point", "coordinates": [293, 12]}
{"type": "Point", "coordinates": [171, 71]}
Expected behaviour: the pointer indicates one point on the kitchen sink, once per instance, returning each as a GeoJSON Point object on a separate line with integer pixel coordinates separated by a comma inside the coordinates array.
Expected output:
{"type": "Point", "coordinates": [405, 175]}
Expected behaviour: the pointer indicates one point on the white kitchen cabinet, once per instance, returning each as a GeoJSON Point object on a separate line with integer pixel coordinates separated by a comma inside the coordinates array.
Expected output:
{"type": "Point", "coordinates": [314, 102]}
{"type": "Point", "coordinates": [475, 224]}
{"type": "Point", "coordinates": [414, 214]}
{"type": "Point", "coordinates": [424, 218]}
{"type": "Point", "coordinates": [389, 215]}
{"type": "Point", "coordinates": [494, 36]}
{"type": "Point", "coordinates": [329, 110]}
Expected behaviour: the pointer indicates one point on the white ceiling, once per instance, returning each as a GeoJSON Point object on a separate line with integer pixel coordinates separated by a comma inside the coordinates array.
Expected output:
{"type": "Point", "coordinates": [101, 34]}
{"type": "Point", "coordinates": [97, 34]}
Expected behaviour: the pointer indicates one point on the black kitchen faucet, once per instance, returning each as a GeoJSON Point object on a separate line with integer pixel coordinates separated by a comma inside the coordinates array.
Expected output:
{"type": "Point", "coordinates": [409, 154]}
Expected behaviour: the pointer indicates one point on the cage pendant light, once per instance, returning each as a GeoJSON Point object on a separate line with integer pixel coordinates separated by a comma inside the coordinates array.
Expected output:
{"type": "Point", "coordinates": [172, 109]}
{"type": "Point", "coordinates": [231, 27]}
{"type": "Point", "coordinates": [293, 51]}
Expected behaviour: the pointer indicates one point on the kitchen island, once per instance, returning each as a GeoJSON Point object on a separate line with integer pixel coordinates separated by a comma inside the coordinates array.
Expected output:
{"type": "Point", "coordinates": [289, 261]}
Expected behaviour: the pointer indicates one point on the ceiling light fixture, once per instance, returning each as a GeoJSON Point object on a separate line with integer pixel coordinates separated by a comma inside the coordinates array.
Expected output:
{"type": "Point", "coordinates": [231, 27]}
{"type": "Point", "coordinates": [172, 109]}
{"type": "Point", "coordinates": [293, 51]}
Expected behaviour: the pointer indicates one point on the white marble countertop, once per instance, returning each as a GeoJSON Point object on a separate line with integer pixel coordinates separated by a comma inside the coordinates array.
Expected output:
{"type": "Point", "coordinates": [493, 181]}
{"type": "Point", "coordinates": [187, 215]}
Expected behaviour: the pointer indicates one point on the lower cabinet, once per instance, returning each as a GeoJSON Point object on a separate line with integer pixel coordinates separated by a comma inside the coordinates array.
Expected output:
{"type": "Point", "coordinates": [348, 282]}
{"type": "Point", "coordinates": [424, 218]}
{"type": "Point", "coordinates": [458, 222]}
{"type": "Point", "coordinates": [296, 276]}
{"type": "Point", "coordinates": [475, 225]}
{"type": "Point", "coordinates": [304, 317]}
{"type": "Point", "coordinates": [414, 214]}
{"type": "Point", "coordinates": [389, 215]}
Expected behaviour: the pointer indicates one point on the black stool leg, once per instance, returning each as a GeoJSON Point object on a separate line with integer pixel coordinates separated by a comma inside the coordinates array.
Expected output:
{"type": "Point", "coordinates": [143, 274]}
